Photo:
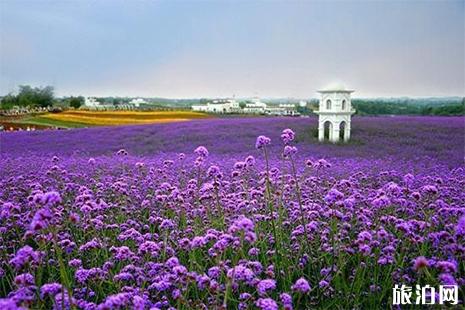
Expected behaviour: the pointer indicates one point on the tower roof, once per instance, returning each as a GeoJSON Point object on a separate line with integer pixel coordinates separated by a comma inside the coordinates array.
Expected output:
{"type": "Point", "coordinates": [335, 88]}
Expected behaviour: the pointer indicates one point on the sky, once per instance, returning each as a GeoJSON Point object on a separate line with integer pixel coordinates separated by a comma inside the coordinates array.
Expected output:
{"type": "Point", "coordinates": [193, 49]}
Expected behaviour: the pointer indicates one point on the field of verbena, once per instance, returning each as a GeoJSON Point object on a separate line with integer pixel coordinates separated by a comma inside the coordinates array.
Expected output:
{"type": "Point", "coordinates": [118, 218]}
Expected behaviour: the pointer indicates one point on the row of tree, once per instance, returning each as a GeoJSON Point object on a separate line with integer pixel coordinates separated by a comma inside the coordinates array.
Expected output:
{"type": "Point", "coordinates": [28, 96]}
{"type": "Point", "coordinates": [37, 97]}
{"type": "Point", "coordinates": [446, 106]}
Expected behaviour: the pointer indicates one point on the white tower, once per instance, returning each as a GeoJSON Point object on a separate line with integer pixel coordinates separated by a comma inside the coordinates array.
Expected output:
{"type": "Point", "coordinates": [334, 114]}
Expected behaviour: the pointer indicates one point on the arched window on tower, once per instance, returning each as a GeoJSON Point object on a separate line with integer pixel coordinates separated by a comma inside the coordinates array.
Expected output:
{"type": "Point", "coordinates": [328, 104]}
{"type": "Point", "coordinates": [343, 104]}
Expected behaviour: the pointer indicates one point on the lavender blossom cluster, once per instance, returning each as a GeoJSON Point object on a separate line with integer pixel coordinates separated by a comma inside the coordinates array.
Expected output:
{"type": "Point", "coordinates": [273, 230]}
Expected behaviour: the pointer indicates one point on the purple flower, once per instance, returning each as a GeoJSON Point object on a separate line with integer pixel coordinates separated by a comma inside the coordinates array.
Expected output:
{"type": "Point", "coordinates": [240, 165]}
{"type": "Point", "coordinates": [254, 252]}
{"type": "Point", "coordinates": [176, 294]}
{"type": "Point", "coordinates": [321, 163]}
{"type": "Point", "coordinates": [214, 272]}
{"type": "Point", "coordinates": [75, 263]}
{"type": "Point", "coordinates": [408, 179]}
{"type": "Point", "coordinates": [266, 285]}
{"type": "Point", "coordinates": [286, 300]}
{"type": "Point", "coordinates": [90, 245]}
{"type": "Point", "coordinates": [51, 198]}
{"type": "Point", "coordinates": [167, 224]}
{"type": "Point", "coordinates": [242, 224]}
{"type": "Point", "coordinates": [381, 202]}
{"type": "Point", "coordinates": [198, 241]}
{"type": "Point", "coordinates": [289, 151]}
{"type": "Point", "coordinates": [323, 284]}
{"type": "Point", "coordinates": [172, 262]}
{"type": "Point", "coordinates": [213, 171]}
{"type": "Point", "coordinates": [416, 195]}
{"type": "Point", "coordinates": [50, 289]}
{"type": "Point", "coordinates": [83, 275]}
{"type": "Point", "coordinates": [149, 247]}
{"type": "Point", "coordinates": [333, 195]}
{"type": "Point", "coordinates": [266, 304]}
{"type": "Point", "coordinates": [64, 301]}
{"type": "Point", "coordinates": [74, 218]}
{"type": "Point", "coordinates": [122, 253]}
{"type": "Point", "coordinates": [160, 286]}
{"type": "Point", "coordinates": [25, 279]}
{"type": "Point", "coordinates": [201, 151]}
{"type": "Point", "coordinates": [447, 279]}
{"type": "Point", "coordinates": [430, 189]}
{"type": "Point", "coordinates": [250, 161]}
{"type": "Point", "coordinates": [447, 266]}
{"type": "Point", "coordinates": [9, 304]}
{"type": "Point", "coordinates": [287, 136]}
{"type": "Point", "coordinates": [123, 276]}
{"type": "Point", "coordinates": [117, 301]}
{"type": "Point", "coordinates": [240, 273]}
{"type": "Point", "coordinates": [122, 152]}
{"type": "Point", "coordinates": [41, 219]}
{"type": "Point", "coordinates": [25, 255]}
{"type": "Point", "coordinates": [301, 286]}
{"type": "Point", "coordinates": [67, 245]}
{"type": "Point", "coordinates": [262, 141]}
{"type": "Point", "coordinates": [420, 263]}
{"type": "Point", "coordinates": [460, 228]}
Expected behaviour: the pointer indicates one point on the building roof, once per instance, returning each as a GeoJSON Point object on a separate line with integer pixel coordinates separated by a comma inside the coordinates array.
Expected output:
{"type": "Point", "coordinates": [335, 88]}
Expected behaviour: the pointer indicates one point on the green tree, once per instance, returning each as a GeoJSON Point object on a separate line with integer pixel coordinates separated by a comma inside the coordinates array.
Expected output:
{"type": "Point", "coordinates": [76, 102]}
{"type": "Point", "coordinates": [9, 101]}
{"type": "Point", "coordinates": [35, 96]}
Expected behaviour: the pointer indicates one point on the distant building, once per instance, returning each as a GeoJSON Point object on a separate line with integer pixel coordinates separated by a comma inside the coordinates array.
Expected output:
{"type": "Point", "coordinates": [283, 109]}
{"type": "Point", "coordinates": [218, 106]}
{"type": "Point", "coordinates": [137, 102]}
{"type": "Point", "coordinates": [255, 107]}
{"type": "Point", "coordinates": [289, 109]}
{"type": "Point", "coordinates": [335, 113]}
{"type": "Point", "coordinates": [91, 102]}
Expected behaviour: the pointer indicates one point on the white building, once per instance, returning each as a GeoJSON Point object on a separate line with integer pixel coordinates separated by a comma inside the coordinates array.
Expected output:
{"type": "Point", "coordinates": [91, 102]}
{"type": "Point", "coordinates": [255, 107]}
{"type": "Point", "coordinates": [283, 109]}
{"type": "Point", "coordinates": [218, 106]}
{"type": "Point", "coordinates": [289, 109]}
{"type": "Point", "coordinates": [335, 113]}
{"type": "Point", "coordinates": [137, 102]}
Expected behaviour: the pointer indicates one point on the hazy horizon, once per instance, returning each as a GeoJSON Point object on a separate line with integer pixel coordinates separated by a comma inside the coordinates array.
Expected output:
{"type": "Point", "coordinates": [205, 49]}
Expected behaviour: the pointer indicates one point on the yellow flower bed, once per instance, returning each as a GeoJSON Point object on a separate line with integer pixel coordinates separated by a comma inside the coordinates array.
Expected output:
{"type": "Point", "coordinates": [109, 118]}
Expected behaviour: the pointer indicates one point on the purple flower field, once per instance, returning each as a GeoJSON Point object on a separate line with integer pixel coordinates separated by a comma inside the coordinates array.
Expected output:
{"type": "Point", "coordinates": [248, 213]}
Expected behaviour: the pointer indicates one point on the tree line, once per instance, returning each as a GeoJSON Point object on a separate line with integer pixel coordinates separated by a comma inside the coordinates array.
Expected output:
{"type": "Point", "coordinates": [444, 106]}
{"type": "Point", "coordinates": [37, 97]}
